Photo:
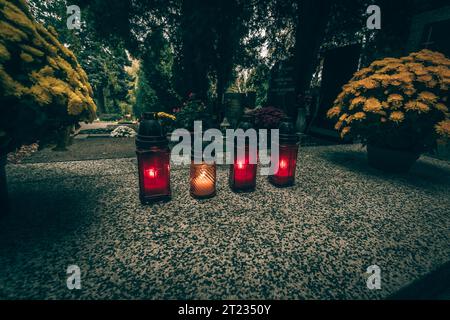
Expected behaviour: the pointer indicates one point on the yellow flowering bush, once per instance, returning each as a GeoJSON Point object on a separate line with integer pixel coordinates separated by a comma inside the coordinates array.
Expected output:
{"type": "Point", "coordinates": [397, 102]}
{"type": "Point", "coordinates": [164, 115]}
{"type": "Point", "coordinates": [167, 120]}
{"type": "Point", "coordinates": [43, 89]}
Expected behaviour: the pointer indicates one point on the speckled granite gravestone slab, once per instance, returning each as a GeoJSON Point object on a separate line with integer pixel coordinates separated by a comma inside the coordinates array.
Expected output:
{"type": "Point", "coordinates": [312, 241]}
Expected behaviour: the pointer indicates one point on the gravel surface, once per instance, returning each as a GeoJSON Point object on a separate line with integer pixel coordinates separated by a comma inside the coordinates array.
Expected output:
{"type": "Point", "coordinates": [312, 241]}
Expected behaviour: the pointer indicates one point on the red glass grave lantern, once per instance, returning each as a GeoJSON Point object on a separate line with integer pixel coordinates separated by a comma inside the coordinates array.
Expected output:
{"type": "Point", "coordinates": [153, 156]}
{"type": "Point", "coordinates": [287, 160]}
{"type": "Point", "coordinates": [242, 172]}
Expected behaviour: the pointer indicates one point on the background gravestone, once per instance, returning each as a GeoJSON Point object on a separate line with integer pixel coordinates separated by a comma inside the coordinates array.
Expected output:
{"type": "Point", "coordinates": [234, 104]}
{"type": "Point", "coordinates": [282, 87]}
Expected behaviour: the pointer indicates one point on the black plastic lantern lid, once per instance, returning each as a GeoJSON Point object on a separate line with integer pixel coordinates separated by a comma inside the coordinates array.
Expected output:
{"type": "Point", "coordinates": [246, 122]}
{"type": "Point", "coordinates": [287, 131]}
{"type": "Point", "coordinates": [150, 133]}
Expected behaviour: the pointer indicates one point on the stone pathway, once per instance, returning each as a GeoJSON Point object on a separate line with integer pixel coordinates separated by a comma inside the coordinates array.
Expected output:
{"type": "Point", "coordinates": [312, 241]}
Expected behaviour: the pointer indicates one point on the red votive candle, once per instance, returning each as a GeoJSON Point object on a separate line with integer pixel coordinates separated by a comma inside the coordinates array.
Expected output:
{"type": "Point", "coordinates": [153, 155]}
{"type": "Point", "coordinates": [154, 171]}
{"type": "Point", "coordinates": [284, 176]}
{"type": "Point", "coordinates": [242, 172]}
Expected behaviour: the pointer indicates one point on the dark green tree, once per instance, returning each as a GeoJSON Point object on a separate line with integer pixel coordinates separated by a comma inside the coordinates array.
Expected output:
{"type": "Point", "coordinates": [203, 36]}
{"type": "Point", "coordinates": [156, 65]}
{"type": "Point", "coordinates": [146, 98]}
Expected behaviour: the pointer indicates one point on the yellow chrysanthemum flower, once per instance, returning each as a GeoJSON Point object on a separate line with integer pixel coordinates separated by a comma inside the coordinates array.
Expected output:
{"type": "Point", "coordinates": [395, 97]}
{"type": "Point", "coordinates": [418, 69]}
{"type": "Point", "coordinates": [40, 94]}
{"type": "Point", "coordinates": [397, 116]}
{"type": "Point", "coordinates": [359, 116]}
{"type": "Point", "coordinates": [401, 78]}
{"type": "Point", "coordinates": [4, 53]}
{"type": "Point", "coordinates": [334, 112]}
{"type": "Point", "coordinates": [409, 90]}
{"type": "Point", "coordinates": [372, 105]}
{"type": "Point", "coordinates": [395, 100]}
{"type": "Point", "coordinates": [8, 32]}
{"type": "Point", "coordinates": [431, 84]}
{"type": "Point", "coordinates": [417, 106]}
{"type": "Point", "coordinates": [381, 78]}
{"type": "Point", "coordinates": [396, 66]}
{"type": "Point", "coordinates": [166, 115]}
{"type": "Point", "coordinates": [344, 131]}
{"type": "Point", "coordinates": [443, 128]}
{"type": "Point", "coordinates": [426, 96]}
{"type": "Point", "coordinates": [349, 119]}
{"type": "Point", "coordinates": [425, 78]}
{"type": "Point", "coordinates": [33, 51]}
{"type": "Point", "coordinates": [26, 57]}
{"type": "Point", "coordinates": [444, 72]}
{"type": "Point", "coordinates": [384, 62]}
{"type": "Point", "coordinates": [356, 102]}
{"type": "Point", "coordinates": [349, 89]}
{"type": "Point", "coordinates": [75, 105]}
{"type": "Point", "coordinates": [340, 97]}
{"type": "Point", "coordinates": [366, 83]}
{"type": "Point", "coordinates": [15, 15]}
{"type": "Point", "coordinates": [441, 107]}
{"type": "Point", "coordinates": [362, 73]}
{"type": "Point", "coordinates": [10, 86]}
{"type": "Point", "coordinates": [432, 57]}
{"type": "Point", "coordinates": [338, 125]}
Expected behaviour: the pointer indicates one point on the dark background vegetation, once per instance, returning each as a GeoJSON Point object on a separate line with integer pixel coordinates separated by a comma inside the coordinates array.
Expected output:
{"type": "Point", "coordinates": [150, 55]}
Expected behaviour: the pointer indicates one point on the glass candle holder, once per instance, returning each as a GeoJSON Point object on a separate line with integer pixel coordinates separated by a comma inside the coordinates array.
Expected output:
{"type": "Point", "coordinates": [154, 174]}
{"type": "Point", "coordinates": [153, 156]}
{"type": "Point", "coordinates": [243, 174]}
{"type": "Point", "coordinates": [202, 180]}
{"type": "Point", "coordinates": [288, 144]}
{"type": "Point", "coordinates": [287, 162]}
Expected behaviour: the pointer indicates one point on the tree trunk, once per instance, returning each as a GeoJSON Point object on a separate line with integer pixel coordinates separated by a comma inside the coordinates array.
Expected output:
{"type": "Point", "coordinates": [100, 101]}
{"type": "Point", "coordinates": [62, 139]}
{"type": "Point", "coordinates": [313, 16]}
{"type": "Point", "coordinates": [195, 40]}
{"type": "Point", "coordinates": [4, 201]}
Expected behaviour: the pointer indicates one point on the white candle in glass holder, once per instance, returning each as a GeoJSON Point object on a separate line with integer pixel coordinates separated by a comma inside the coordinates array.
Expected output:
{"type": "Point", "coordinates": [203, 180]}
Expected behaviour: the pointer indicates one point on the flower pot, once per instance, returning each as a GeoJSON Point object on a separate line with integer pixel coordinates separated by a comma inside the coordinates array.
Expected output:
{"type": "Point", "coordinates": [391, 160]}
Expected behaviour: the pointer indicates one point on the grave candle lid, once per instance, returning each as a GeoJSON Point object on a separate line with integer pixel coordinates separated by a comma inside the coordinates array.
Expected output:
{"type": "Point", "coordinates": [150, 132]}
{"type": "Point", "coordinates": [246, 122]}
{"type": "Point", "coordinates": [287, 131]}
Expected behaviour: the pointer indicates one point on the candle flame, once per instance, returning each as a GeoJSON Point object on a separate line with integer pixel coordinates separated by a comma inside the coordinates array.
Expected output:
{"type": "Point", "coordinates": [151, 173]}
